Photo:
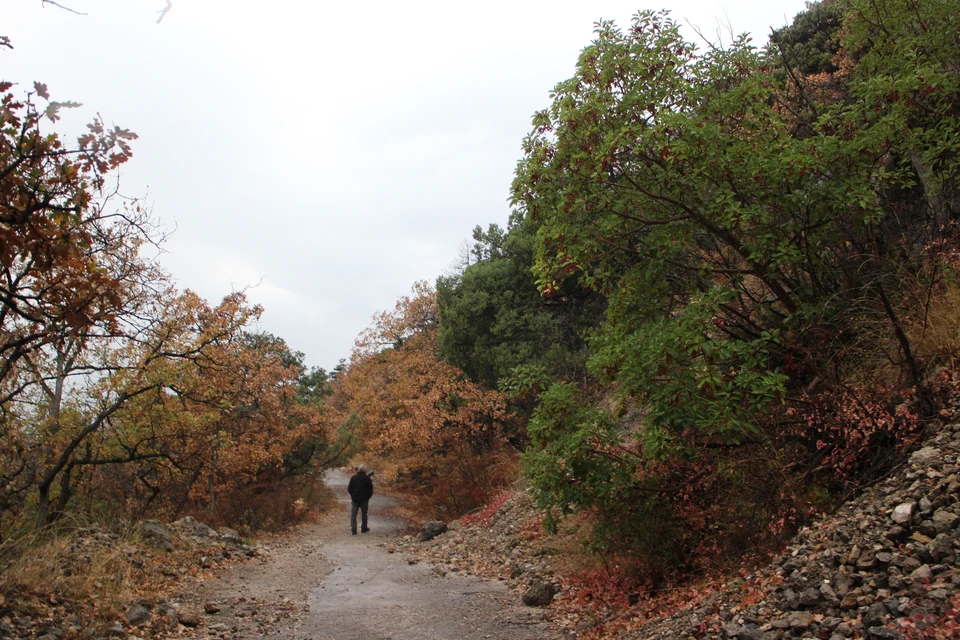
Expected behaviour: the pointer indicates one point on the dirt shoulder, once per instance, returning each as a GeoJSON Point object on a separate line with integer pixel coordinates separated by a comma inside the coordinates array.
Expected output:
{"type": "Point", "coordinates": [322, 582]}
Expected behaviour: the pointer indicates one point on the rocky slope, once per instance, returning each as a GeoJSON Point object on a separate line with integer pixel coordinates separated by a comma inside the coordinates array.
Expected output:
{"type": "Point", "coordinates": [158, 565]}
{"type": "Point", "coordinates": [883, 566]}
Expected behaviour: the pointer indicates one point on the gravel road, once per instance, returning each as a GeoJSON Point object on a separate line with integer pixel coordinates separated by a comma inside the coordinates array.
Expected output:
{"type": "Point", "coordinates": [324, 583]}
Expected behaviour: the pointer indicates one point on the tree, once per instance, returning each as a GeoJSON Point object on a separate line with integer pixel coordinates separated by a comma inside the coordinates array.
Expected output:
{"type": "Point", "coordinates": [811, 42]}
{"type": "Point", "coordinates": [110, 399]}
{"type": "Point", "coordinates": [443, 432]}
{"type": "Point", "coordinates": [55, 229]}
{"type": "Point", "coordinates": [492, 318]}
{"type": "Point", "coordinates": [754, 239]}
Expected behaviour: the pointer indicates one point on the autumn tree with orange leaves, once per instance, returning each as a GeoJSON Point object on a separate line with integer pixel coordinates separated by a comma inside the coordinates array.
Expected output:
{"type": "Point", "coordinates": [444, 433]}
{"type": "Point", "coordinates": [117, 390]}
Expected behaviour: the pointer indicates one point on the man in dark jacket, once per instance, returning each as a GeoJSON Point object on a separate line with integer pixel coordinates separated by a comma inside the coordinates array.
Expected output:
{"type": "Point", "coordinates": [360, 490]}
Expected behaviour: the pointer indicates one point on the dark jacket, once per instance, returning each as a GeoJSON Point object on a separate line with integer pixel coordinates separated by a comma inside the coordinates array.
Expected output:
{"type": "Point", "coordinates": [360, 487]}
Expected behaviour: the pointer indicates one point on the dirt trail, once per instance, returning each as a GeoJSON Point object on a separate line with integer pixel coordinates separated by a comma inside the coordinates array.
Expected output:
{"type": "Point", "coordinates": [324, 583]}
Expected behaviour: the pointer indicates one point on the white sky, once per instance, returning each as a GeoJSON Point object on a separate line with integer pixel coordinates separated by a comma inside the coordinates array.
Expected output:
{"type": "Point", "coordinates": [330, 153]}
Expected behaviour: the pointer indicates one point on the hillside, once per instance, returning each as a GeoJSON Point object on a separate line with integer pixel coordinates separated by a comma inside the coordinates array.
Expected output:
{"type": "Point", "coordinates": [883, 566]}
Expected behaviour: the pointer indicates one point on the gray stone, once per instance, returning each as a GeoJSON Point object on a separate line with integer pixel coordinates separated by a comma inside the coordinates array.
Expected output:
{"type": "Point", "coordinates": [431, 530]}
{"type": "Point", "coordinates": [116, 630]}
{"type": "Point", "coordinates": [751, 632]}
{"type": "Point", "coordinates": [925, 457]}
{"type": "Point", "coordinates": [539, 593]}
{"type": "Point", "coordinates": [903, 513]}
{"type": "Point", "coordinates": [842, 584]}
{"type": "Point", "coordinates": [893, 606]}
{"type": "Point", "coordinates": [875, 615]}
{"type": "Point", "coordinates": [189, 617]}
{"type": "Point", "coordinates": [828, 593]}
{"type": "Point", "coordinates": [137, 615]}
{"type": "Point", "coordinates": [830, 623]}
{"type": "Point", "coordinates": [790, 599]}
{"type": "Point", "coordinates": [911, 564]}
{"type": "Point", "coordinates": [800, 620]}
{"type": "Point", "coordinates": [809, 598]}
{"type": "Point", "coordinates": [896, 533]}
{"type": "Point", "coordinates": [941, 547]}
{"type": "Point", "coordinates": [882, 633]}
{"type": "Point", "coordinates": [944, 521]}
{"type": "Point", "coordinates": [229, 536]}
{"type": "Point", "coordinates": [154, 533]}
{"type": "Point", "coordinates": [922, 573]}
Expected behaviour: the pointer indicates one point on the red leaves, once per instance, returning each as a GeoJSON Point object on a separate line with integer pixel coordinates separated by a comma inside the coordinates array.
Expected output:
{"type": "Point", "coordinates": [483, 518]}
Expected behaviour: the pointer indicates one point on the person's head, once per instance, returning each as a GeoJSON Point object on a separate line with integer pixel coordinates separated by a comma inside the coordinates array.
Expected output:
{"type": "Point", "coordinates": [362, 467]}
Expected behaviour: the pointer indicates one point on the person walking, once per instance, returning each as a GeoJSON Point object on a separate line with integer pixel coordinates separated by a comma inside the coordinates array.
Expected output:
{"type": "Point", "coordinates": [360, 489]}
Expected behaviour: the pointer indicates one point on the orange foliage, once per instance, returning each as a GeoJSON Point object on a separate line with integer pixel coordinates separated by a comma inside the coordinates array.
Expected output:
{"type": "Point", "coordinates": [443, 431]}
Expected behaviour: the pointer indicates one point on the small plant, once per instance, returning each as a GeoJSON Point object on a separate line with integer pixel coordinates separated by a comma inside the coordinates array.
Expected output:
{"type": "Point", "coordinates": [484, 517]}
{"type": "Point", "coordinates": [534, 528]}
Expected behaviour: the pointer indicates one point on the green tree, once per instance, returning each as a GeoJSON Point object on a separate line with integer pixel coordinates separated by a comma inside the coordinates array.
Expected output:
{"type": "Point", "coordinates": [811, 42]}
{"type": "Point", "coordinates": [732, 219]}
{"type": "Point", "coordinates": [493, 318]}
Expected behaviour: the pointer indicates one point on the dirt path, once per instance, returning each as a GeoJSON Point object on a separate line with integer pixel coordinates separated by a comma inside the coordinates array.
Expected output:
{"type": "Point", "coordinates": [324, 583]}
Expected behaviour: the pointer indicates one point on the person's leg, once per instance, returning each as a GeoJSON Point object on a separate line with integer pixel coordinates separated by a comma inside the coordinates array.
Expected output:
{"type": "Point", "coordinates": [363, 510]}
{"type": "Point", "coordinates": [353, 516]}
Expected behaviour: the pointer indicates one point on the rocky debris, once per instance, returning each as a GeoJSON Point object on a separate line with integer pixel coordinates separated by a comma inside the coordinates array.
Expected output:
{"type": "Point", "coordinates": [505, 545]}
{"type": "Point", "coordinates": [431, 530]}
{"type": "Point", "coordinates": [229, 536]}
{"type": "Point", "coordinates": [539, 593]}
{"type": "Point", "coordinates": [883, 564]}
{"type": "Point", "coordinates": [137, 615]}
{"type": "Point", "coordinates": [165, 558]}
{"type": "Point", "coordinates": [116, 630]}
{"type": "Point", "coordinates": [189, 616]}
{"type": "Point", "coordinates": [155, 534]}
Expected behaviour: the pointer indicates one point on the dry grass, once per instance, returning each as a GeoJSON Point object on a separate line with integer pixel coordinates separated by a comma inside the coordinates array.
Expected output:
{"type": "Point", "coordinates": [568, 545]}
{"type": "Point", "coordinates": [84, 569]}
{"type": "Point", "coordinates": [938, 337]}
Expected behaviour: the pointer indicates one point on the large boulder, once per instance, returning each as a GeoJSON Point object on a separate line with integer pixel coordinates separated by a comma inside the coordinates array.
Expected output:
{"type": "Point", "coordinates": [431, 530]}
{"type": "Point", "coordinates": [197, 532]}
{"type": "Point", "coordinates": [154, 533]}
{"type": "Point", "coordinates": [189, 617]}
{"type": "Point", "coordinates": [230, 536]}
{"type": "Point", "coordinates": [539, 593]}
{"type": "Point", "coordinates": [137, 615]}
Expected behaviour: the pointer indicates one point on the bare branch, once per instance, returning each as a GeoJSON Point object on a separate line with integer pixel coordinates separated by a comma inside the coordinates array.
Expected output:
{"type": "Point", "coordinates": [60, 6]}
{"type": "Point", "coordinates": [163, 12]}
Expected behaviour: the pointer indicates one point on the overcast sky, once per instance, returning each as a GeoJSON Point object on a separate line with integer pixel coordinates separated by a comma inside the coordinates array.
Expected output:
{"type": "Point", "coordinates": [329, 153]}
